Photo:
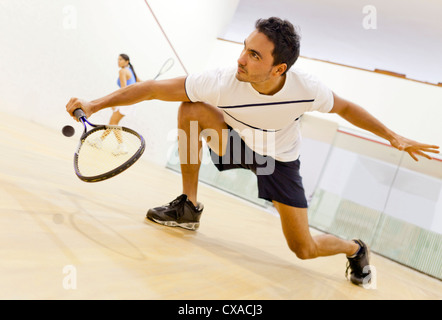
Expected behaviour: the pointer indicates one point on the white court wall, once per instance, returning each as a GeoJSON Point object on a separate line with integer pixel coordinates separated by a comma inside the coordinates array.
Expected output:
{"type": "Point", "coordinates": [54, 50]}
{"type": "Point", "coordinates": [410, 108]}
{"type": "Point", "coordinates": [44, 62]}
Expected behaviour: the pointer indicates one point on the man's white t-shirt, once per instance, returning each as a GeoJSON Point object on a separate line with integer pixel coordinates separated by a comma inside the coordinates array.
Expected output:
{"type": "Point", "coordinates": [268, 124]}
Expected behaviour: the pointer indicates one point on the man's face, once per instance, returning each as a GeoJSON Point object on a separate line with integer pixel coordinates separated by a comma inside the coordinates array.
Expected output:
{"type": "Point", "coordinates": [255, 64]}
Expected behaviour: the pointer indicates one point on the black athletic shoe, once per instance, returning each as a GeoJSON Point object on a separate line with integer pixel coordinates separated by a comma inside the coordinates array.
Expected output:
{"type": "Point", "coordinates": [359, 265]}
{"type": "Point", "coordinates": [179, 213]}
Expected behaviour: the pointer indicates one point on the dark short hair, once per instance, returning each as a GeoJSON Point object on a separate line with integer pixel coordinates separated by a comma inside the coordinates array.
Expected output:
{"type": "Point", "coordinates": [285, 38]}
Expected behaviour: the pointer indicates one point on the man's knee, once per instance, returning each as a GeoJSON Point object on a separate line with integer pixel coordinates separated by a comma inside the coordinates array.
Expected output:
{"type": "Point", "coordinates": [208, 120]}
{"type": "Point", "coordinates": [189, 110]}
{"type": "Point", "coordinates": [303, 251]}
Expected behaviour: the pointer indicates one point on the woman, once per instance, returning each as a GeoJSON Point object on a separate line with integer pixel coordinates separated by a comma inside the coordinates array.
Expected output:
{"type": "Point", "coordinates": [126, 77]}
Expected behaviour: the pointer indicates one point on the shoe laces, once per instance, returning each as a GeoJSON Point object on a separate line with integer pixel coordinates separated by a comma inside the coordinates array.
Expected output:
{"type": "Point", "coordinates": [176, 201]}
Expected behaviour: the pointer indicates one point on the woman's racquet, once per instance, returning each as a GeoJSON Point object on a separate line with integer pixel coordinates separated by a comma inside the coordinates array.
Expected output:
{"type": "Point", "coordinates": [105, 150]}
{"type": "Point", "coordinates": [166, 67]}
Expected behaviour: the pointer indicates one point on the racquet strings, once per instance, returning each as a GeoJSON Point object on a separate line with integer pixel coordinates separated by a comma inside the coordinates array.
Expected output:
{"type": "Point", "coordinates": [166, 67]}
{"type": "Point", "coordinates": [105, 150]}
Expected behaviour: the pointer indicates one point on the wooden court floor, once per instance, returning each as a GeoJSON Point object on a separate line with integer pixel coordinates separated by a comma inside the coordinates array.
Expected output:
{"type": "Point", "coordinates": [65, 239]}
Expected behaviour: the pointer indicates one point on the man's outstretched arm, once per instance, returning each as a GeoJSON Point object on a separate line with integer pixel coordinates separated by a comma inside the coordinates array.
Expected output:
{"type": "Point", "coordinates": [166, 90]}
{"type": "Point", "coordinates": [359, 117]}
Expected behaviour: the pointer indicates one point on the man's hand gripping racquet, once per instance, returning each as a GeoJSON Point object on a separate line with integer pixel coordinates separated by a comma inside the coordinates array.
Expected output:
{"type": "Point", "coordinates": [105, 150]}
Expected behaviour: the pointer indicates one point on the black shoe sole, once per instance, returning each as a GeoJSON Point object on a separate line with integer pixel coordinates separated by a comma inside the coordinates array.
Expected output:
{"type": "Point", "coordinates": [193, 226]}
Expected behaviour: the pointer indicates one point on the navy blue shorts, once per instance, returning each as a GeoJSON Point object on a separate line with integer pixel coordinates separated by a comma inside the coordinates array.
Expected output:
{"type": "Point", "coordinates": [277, 180]}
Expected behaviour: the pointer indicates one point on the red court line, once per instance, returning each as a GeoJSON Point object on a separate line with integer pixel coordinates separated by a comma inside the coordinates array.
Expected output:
{"type": "Point", "coordinates": [167, 38]}
{"type": "Point", "coordinates": [372, 140]}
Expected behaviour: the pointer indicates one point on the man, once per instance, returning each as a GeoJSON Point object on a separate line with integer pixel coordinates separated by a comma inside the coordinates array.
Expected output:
{"type": "Point", "coordinates": [250, 118]}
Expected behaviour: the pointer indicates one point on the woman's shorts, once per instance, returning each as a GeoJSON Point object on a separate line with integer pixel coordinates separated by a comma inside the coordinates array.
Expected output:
{"type": "Point", "coordinates": [125, 110]}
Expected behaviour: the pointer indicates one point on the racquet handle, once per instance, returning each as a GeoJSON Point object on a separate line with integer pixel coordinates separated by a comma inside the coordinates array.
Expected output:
{"type": "Point", "coordinates": [79, 113]}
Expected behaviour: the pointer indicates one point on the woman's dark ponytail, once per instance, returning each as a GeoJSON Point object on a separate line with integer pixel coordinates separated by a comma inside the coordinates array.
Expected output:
{"type": "Point", "coordinates": [133, 70]}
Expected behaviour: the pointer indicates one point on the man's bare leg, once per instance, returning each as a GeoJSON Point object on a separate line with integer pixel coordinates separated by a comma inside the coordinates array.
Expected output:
{"type": "Point", "coordinates": [194, 118]}
{"type": "Point", "coordinates": [297, 233]}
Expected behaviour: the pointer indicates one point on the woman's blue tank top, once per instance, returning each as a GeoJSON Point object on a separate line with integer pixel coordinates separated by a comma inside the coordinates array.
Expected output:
{"type": "Point", "coordinates": [129, 81]}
